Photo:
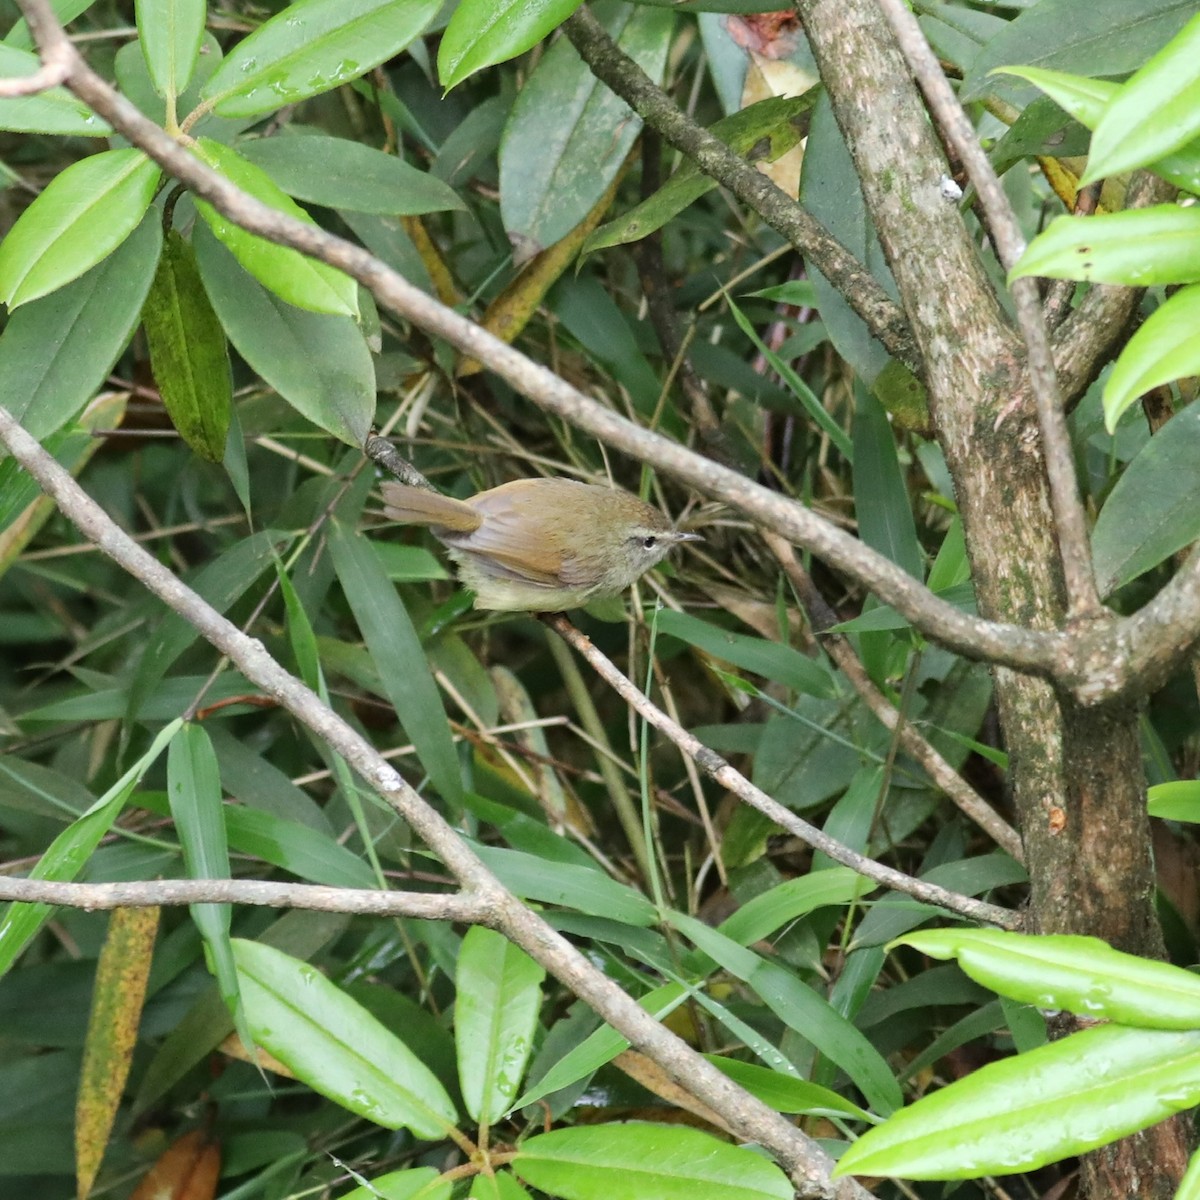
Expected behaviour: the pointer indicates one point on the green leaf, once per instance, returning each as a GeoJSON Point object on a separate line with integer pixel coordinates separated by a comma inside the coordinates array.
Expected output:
{"type": "Point", "coordinates": [65, 10]}
{"type": "Point", "coordinates": [335, 1046]}
{"type": "Point", "coordinates": [568, 135]}
{"type": "Point", "coordinates": [482, 33]}
{"type": "Point", "coordinates": [785, 1093]}
{"type": "Point", "coordinates": [1080, 974]}
{"type": "Point", "coordinates": [1164, 348]}
{"type": "Point", "coordinates": [84, 214]}
{"type": "Point", "coordinates": [500, 1186]}
{"type": "Point", "coordinates": [338, 173]}
{"type": "Point", "coordinates": [318, 363]}
{"type": "Point", "coordinates": [296, 848]}
{"type": "Point", "coordinates": [772, 660]}
{"type": "Point", "coordinates": [1153, 510]}
{"type": "Point", "coordinates": [170, 32]}
{"type": "Point", "coordinates": [53, 111]}
{"type": "Point", "coordinates": [881, 502]}
{"type": "Point", "coordinates": [194, 791]}
{"type": "Point", "coordinates": [1175, 801]}
{"type": "Point", "coordinates": [785, 902]}
{"type": "Point", "coordinates": [1018, 1114]}
{"type": "Point", "coordinates": [57, 351]}
{"type": "Point", "coordinates": [67, 854]}
{"type": "Point", "coordinates": [1087, 100]}
{"type": "Point", "coordinates": [1104, 37]}
{"type": "Point", "coordinates": [639, 1160]}
{"type": "Point", "coordinates": [775, 123]}
{"type": "Point", "coordinates": [187, 351]}
{"type": "Point", "coordinates": [398, 656]}
{"type": "Point", "coordinates": [803, 1010]}
{"type": "Point", "coordinates": [413, 1183]}
{"type": "Point", "coordinates": [498, 995]}
{"type": "Point", "coordinates": [298, 280]}
{"type": "Point", "coordinates": [311, 47]}
{"type": "Point", "coordinates": [1160, 244]}
{"type": "Point", "coordinates": [1155, 113]}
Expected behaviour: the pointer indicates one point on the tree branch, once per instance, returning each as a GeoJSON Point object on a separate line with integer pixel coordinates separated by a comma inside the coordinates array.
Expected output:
{"type": "Point", "coordinates": [428, 906]}
{"type": "Point", "coordinates": [717, 768]}
{"type": "Point", "coordinates": [52, 72]}
{"type": "Point", "coordinates": [861, 289]}
{"type": "Point", "coordinates": [1070, 521]}
{"type": "Point", "coordinates": [808, 1164]}
{"type": "Point", "coordinates": [1035, 651]}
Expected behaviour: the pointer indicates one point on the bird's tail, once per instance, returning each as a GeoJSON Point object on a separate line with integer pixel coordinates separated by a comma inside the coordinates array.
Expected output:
{"type": "Point", "coordinates": [416, 506]}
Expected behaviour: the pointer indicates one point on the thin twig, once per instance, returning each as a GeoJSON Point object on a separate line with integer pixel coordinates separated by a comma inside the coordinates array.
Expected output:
{"type": "Point", "coordinates": [1037, 651]}
{"type": "Point", "coordinates": [718, 769]}
{"type": "Point", "coordinates": [613, 67]}
{"type": "Point", "coordinates": [806, 1162]}
{"type": "Point", "coordinates": [52, 73]}
{"type": "Point", "coordinates": [1070, 519]}
{"type": "Point", "coordinates": [965, 797]}
{"type": "Point", "coordinates": [427, 906]}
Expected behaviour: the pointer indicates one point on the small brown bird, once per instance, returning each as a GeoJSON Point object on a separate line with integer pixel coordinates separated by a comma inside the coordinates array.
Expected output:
{"type": "Point", "coordinates": [541, 545]}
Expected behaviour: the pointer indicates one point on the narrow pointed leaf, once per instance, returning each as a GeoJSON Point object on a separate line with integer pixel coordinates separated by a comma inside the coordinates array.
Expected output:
{"type": "Point", "coordinates": [187, 351]}
{"type": "Point", "coordinates": [498, 989]}
{"type": "Point", "coordinates": [121, 974]}
{"type": "Point", "coordinates": [1018, 1114]}
{"type": "Point", "coordinates": [298, 280]}
{"type": "Point", "coordinates": [84, 214]}
{"type": "Point", "coordinates": [1178, 800]}
{"type": "Point", "coordinates": [1080, 974]}
{"type": "Point", "coordinates": [311, 47]}
{"type": "Point", "coordinates": [335, 1046]}
{"type": "Point", "coordinates": [639, 1160]}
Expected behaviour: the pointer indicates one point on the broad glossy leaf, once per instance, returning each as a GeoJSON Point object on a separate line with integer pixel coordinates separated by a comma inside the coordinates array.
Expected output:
{"type": "Point", "coordinates": [497, 998]}
{"type": "Point", "coordinates": [568, 135]}
{"type": "Point", "coordinates": [410, 1184]}
{"type": "Point", "coordinates": [311, 47]}
{"type": "Point", "coordinates": [1160, 244]}
{"type": "Point", "coordinates": [1178, 800]}
{"type": "Point", "coordinates": [338, 173]}
{"type": "Point", "coordinates": [1080, 974]}
{"type": "Point", "coordinates": [170, 32]}
{"type": "Point", "coordinates": [290, 275]}
{"type": "Point", "coordinates": [639, 1160]}
{"type": "Point", "coordinates": [84, 214]}
{"type": "Point", "coordinates": [1087, 100]}
{"type": "Point", "coordinates": [1096, 36]}
{"type": "Point", "coordinates": [1155, 113]}
{"type": "Point", "coordinates": [1164, 348]}
{"type": "Point", "coordinates": [187, 351]}
{"type": "Point", "coordinates": [784, 1093]}
{"type": "Point", "coordinates": [318, 363]}
{"type": "Point", "coordinates": [399, 657]}
{"type": "Point", "coordinates": [484, 32]}
{"type": "Point", "coordinates": [335, 1046]}
{"type": "Point", "coordinates": [773, 660]}
{"type": "Point", "coordinates": [53, 111]}
{"type": "Point", "coordinates": [56, 352]}
{"type": "Point", "coordinates": [1154, 509]}
{"type": "Point", "coordinates": [1059, 1100]}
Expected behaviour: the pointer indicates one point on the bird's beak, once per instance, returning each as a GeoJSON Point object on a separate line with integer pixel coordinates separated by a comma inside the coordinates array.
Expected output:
{"type": "Point", "coordinates": [688, 537]}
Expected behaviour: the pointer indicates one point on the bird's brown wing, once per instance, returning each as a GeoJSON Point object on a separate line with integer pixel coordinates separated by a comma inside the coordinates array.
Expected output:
{"type": "Point", "coordinates": [517, 538]}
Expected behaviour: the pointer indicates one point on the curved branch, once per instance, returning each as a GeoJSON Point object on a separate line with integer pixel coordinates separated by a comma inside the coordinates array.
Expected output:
{"type": "Point", "coordinates": [1034, 651]}
{"type": "Point", "coordinates": [613, 67]}
{"type": "Point", "coordinates": [808, 1164]}
{"type": "Point", "coordinates": [717, 768]}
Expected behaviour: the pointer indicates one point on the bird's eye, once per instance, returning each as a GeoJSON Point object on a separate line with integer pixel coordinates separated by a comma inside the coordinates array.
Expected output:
{"type": "Point", "coordinates": [648, 543]}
